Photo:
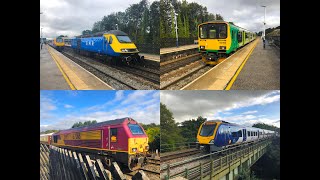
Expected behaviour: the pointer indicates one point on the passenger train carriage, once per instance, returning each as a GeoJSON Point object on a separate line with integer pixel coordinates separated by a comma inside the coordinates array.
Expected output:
{"type": "Point", "coordinates": [215, 135]}
{"type": "Point", "coordinates": [114, 44]}
{"type": "Point", "coordinates": [121, 140]}
{"type": "Point", "coordinates": [217, 39]}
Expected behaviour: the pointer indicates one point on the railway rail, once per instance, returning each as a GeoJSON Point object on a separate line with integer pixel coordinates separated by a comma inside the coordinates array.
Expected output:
{"type": "Point", "coordinates": [171, 65]}
{"type": "Point", "coordinates": [178, 155]}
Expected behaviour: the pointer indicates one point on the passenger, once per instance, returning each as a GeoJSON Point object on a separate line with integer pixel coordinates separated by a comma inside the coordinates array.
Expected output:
{"type": "Point", "coordinates": [264, 41]}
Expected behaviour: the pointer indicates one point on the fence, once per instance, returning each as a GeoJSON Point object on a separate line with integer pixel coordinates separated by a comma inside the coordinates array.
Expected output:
{"type": "Point", "coordinates": [149, 48]}
{"type": "Point", "coordinates": [177, 146]}
{"type": "Point", "coordinates": [213, 167]}
{"type": "Point", "coordinates": [58, 163]}
{"type": "Point", "coordinates": [172, 42]}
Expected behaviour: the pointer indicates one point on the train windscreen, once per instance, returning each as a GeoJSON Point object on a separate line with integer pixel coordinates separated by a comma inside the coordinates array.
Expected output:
{"type": "Point", "coordinates": [213, 31]}
{"type": "Point", "coordinates": [135, 129]}
{"type": "Point", "coordinates": [59, 40]}
{"type": "Point", "coordinates": [124, 39]}
{"type": "Point", "coordinates": [207, 130]}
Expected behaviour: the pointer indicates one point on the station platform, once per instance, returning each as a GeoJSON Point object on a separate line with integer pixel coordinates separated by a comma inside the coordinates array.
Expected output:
{"type": "Point", "coordinates": [176, 49]}
{"type": "Point", "coordinates": [261, 71]}
{"type": "Point", "coordinates": [59, 72]}
{"type": "Point", "coordinates": [151, 57]}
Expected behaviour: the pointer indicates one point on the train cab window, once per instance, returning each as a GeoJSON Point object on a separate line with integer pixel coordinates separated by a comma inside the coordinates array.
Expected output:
{"type": "Point", "coordinates": [124, 39]}
{"type": "Point", "coordinates": [135, 129]}
{"type": "Point", "coordinates": [113, 134]}
{"type": "Point", "coordinates": [110, 40]}
{"type": "Point", "coordinates": [207, 129]}
{"type": "Point", "coordinates": [234, 134]}
{"type": "Point", "coordinates": [213, 31]}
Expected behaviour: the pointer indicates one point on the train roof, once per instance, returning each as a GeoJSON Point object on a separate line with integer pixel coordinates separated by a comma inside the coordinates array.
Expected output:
{"type": "Point", "coordinates": [217, 120]}
{"type": "Point", "coordinates": [115, 32]}
{"type": "Point", "coordinates": [46, 134]}
{"type": "Point", "coordinates": [222, 21]}
{"type": "Point", "coordinates": [100, 124]}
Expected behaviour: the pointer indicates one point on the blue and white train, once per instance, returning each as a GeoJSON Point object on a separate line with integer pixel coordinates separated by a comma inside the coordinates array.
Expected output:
{"type": "Point", "coordinates": [215, 135]}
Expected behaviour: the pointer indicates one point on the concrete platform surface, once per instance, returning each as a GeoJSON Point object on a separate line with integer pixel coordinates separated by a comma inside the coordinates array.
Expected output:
{"type": "Point", "coordinates": [180, 48]}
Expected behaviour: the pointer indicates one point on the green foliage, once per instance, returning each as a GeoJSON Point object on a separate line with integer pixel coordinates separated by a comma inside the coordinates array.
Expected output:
{"type": "Point", "coordinates": [140, 21]}
{"type": "Point", "coordinates": [49, 131]}
{"type": "Point", "coordinates": [245, 175]}
{"type": "Point", "coordinates": [191, 14]}
{"type": "Point", "coordinates": [170, 133]}
{"type": "Point", "coordinates": [153, 132]}
{"type": "Point", "coordinates": [85, 32]}
{"type": "Point", "coordinates": [189, 128]}
{"type": "Point", "coordinates": [86, 123]}
{"type": "Point", "coordinates": [267, 127]}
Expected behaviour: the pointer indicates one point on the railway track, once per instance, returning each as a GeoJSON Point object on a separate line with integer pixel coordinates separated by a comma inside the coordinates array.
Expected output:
{"type": "Point", "coordinates": [184, 76]}
{"type": "Point", "coordinates": [153, 161]}
{"type": "Point", "coordinates": [118, 78]}
{"type": "Point", "coordinates": [171, 65]}
{"type": "Point", "coordinates": [179, 155]}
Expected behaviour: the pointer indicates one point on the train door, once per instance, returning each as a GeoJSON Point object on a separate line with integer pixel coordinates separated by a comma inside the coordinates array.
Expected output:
{"type": "Point", "coordinates": [244, 135]}
{"type": "Point", "coordinates": [113, 138]}
{"type": "Point", "coordinates": [78, 44]}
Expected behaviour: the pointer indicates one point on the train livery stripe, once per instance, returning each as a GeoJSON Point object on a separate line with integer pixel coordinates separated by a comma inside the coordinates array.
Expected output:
{"type": "Point", "coordinates": [80, 147]}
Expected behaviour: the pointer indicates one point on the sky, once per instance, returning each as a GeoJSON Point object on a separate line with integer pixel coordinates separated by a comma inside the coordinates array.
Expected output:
{"type": "Point", "coordinates": [71, 17]}
{"type": "Point", "coordinates": [247, 14]}
{"type": "Point", "coordinates": [60, 109]}
{"type": "Point", "coordinates": [240, 107]}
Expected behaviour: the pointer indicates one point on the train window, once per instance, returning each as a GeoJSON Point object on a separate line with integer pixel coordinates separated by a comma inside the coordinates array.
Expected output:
{"type": "Point", "coordinates": [113, 133]}
{"type": "Point", "coordinates": [239, 36]}
{"type": "Point", "coordinates": [124, 39]}
{"type": "Point", "coordinates": [248, 133]}
{"type": "Point", "coordinates": [213, 31]}
{"type": "Point", "coordinates": [207, 130]}
{"type": "Point", "coordinates": [234, 134]}
{"type": "Point", "coordinates": [240, 133]}
{"type": "Point", "coordinates": [110, 40]}
{"type": "Point", "coordinates": [135, 129]}
{"type": "Point", "coordinates": [55, 139]}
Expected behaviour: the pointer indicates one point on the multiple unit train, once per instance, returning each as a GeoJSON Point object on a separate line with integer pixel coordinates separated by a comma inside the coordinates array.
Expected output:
{"type": "Point", "coordinates": [58, 43]}
{"type": "Point", "coordinates": [217, 39]}
{"type": "Point", "coordinates": [121, 140]}
{"type": "Point", "coordinates": [215, 135]}
{"type": "Point", "coordinates": [115, 45]}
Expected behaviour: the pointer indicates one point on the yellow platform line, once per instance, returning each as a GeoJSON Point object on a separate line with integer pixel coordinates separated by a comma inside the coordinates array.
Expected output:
{"type": "Point", "coordinates": [61, 70]}
{"type": "Point", "coordinates": [73, 77]}
{"type": "Point", "coordinates": [240, 68]}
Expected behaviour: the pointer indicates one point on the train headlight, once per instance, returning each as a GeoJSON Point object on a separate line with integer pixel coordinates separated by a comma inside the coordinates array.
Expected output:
{"type": "Point", "coordinates": [124, 50]}
{"type": "Point", "coordinates": [134, 149]}
{"type": "Point", "coordinates": [147, 147]}
{"type": "Point", "coordinates": [201, 47]}
{"type": "Point", "coordinates": [223, 47]}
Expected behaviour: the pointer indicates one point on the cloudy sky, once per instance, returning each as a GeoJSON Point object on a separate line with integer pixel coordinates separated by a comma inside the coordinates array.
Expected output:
{"type": "Point", "coordinates": [241, 107]}
{"type": "Point", "coordinates": [71, 17]}
{"type": "Point", "coordinates": [61, 109]}
{"type": "Point", "coordinates": [245, 13]}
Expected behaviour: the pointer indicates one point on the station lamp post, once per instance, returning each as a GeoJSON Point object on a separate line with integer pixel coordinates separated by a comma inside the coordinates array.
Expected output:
{"type": "Point", "coordinates": [264, 23]}
{"type": "Point", "coordinates": [176, 27]}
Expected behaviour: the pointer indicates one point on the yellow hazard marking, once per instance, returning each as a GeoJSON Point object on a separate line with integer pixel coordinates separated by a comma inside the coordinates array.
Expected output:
{"type": "Point", "coordinates": [72, 76]}
{"type": "Point", "coordinates": [240, 68]}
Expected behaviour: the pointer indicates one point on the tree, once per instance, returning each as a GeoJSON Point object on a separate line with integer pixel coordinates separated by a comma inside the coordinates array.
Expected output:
{"type": "Point", "coordinates": [49, 131]}
{"type": "Point", "coordinates": [189, 128]}
{"type": "Point", "coordinates": [85, 32]}
{"type": "Point", "coordinates": [86, 123]}
{"type": "Point", "coordinates": [170, 133]}
{"type": "Point", "coordinates": [219, 17]}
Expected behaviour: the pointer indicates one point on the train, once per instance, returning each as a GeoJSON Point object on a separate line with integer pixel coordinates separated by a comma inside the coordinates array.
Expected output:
{"type": "Point", "coordinates": [216, 135]}
{"type": "Point", "coordinates": [46, 138]}
{"type": "Point", "coordinates": [115, 46]}
{"type": "Point", "coordinates": [57, 43]}
{"type": "Point", "coordinates": [218, 39]}
{"type": "Point", "coordinates": [121, 140]}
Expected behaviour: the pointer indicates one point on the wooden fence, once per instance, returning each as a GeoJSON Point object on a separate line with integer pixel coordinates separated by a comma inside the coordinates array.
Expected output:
{"type": "Point", "coordinates": [62, 164]}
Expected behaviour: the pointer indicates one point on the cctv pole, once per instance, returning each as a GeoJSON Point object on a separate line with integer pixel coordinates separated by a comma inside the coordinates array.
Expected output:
{"type": "Point", "coordinates": [175, 19]}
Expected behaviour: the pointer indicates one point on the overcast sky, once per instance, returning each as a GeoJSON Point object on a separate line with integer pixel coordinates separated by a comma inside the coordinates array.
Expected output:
{"type": "Point", "coordinates": [241, 107]}
{"type": "Point", "coordinates": [71, 17]}
{"type": "Point", "coordinates": [61, 109]}
{"type": "Point", "coordinates": [245, 13]}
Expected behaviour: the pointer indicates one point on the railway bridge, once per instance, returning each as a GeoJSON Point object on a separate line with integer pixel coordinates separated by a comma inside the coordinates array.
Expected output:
{"type": "Point", "coordinates": [223, 165]}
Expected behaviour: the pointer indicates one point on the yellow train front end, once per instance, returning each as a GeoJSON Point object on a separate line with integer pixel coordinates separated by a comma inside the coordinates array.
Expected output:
{"type": "Point", "coordinates": [206, 134]}
{"type": "Point", "coordinates": [58, 43]}
{"type": "Point", "coordinates": [214, 41]}
{"type": "Point", "coordinates": [137, 151]}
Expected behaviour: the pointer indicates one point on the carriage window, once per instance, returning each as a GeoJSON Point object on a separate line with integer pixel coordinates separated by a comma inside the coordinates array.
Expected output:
{"type": "Point", "coordinates": [55, 139]}
{"type": "Point", "coordinates": [248, 133]}
{"type": "Point", "coordinates": [239, 37]}
{"type": "Point", "coordinates": [240, 133]}
{"type": "Point", "coordinates": [234, 134]}
{"type": "Point", "coordinates": [113, 134]}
